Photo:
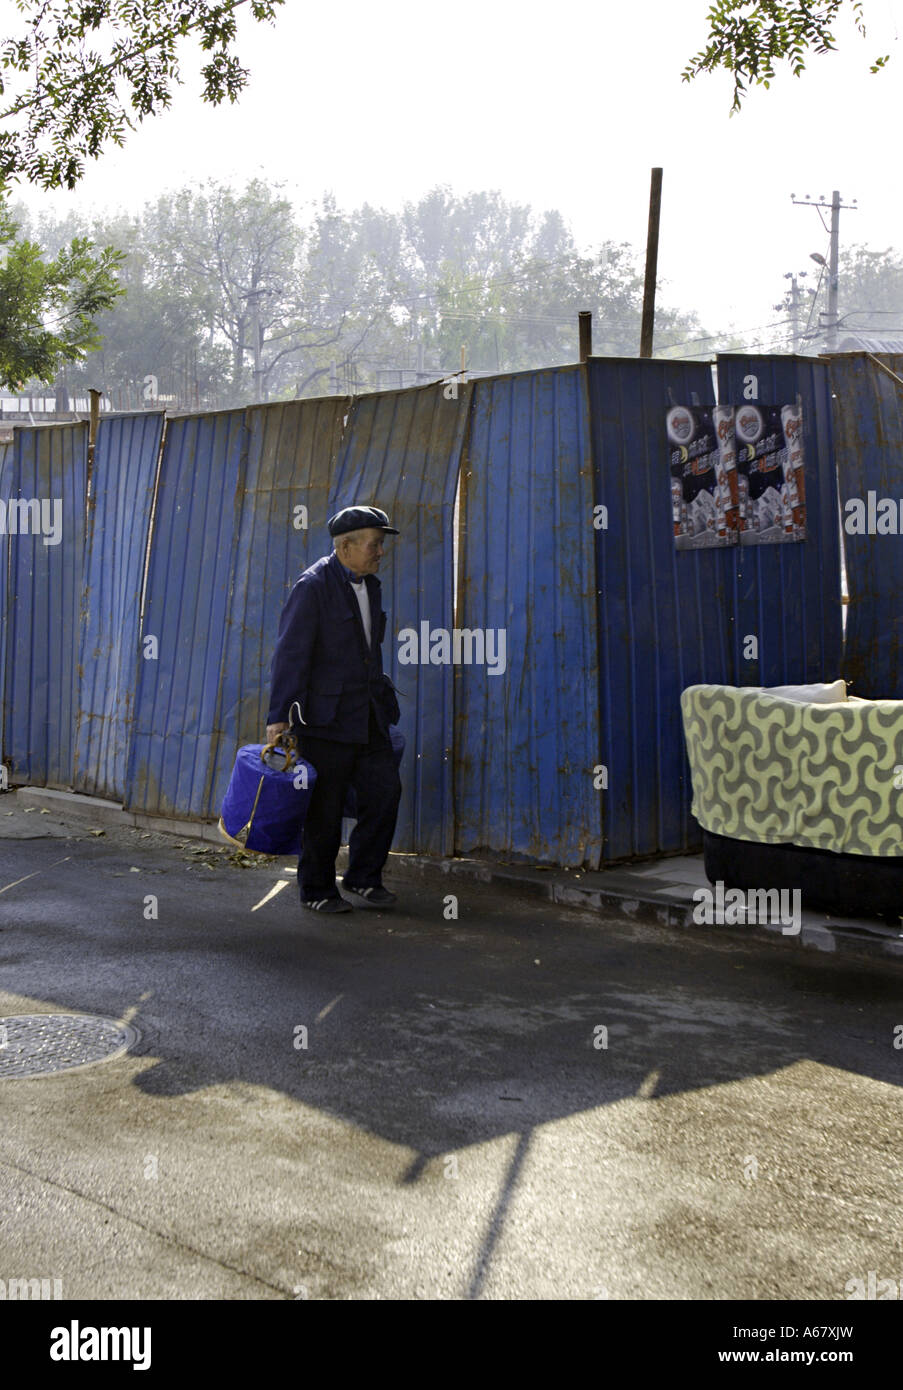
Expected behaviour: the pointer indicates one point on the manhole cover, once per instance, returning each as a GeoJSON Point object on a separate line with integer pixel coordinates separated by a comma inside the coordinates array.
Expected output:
{"type": "Point", "coordinates": [38, 1044]}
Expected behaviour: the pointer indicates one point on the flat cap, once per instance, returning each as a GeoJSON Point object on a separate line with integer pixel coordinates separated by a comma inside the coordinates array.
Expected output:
{"type": "Point", "coordinates": [357, 518]}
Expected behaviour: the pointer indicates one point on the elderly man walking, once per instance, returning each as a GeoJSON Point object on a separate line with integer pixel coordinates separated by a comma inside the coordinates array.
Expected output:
{"type": "Point", "coordinates": [327, 664]}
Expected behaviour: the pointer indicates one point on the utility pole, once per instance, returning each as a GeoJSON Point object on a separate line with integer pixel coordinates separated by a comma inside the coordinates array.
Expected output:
{"type": "Point", "coordinates": [794, 277]}
{"type": "Point", "coordinates": [833, 255]}
{"type": "Point", "coordinates": [795, 311]}
{"type": "Point", "coordinates": [832, 271]}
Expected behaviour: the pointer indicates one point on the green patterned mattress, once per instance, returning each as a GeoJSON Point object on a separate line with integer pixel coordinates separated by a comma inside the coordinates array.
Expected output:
{"type": "Point", "coordinates": [782, 771]}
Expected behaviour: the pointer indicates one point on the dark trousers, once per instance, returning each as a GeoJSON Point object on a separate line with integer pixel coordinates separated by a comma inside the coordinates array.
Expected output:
{"type": "Point", "coordinates": [371, 770]}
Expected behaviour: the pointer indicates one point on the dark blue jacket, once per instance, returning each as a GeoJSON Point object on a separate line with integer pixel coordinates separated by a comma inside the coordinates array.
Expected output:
{"type": "Point", "coordinates": [322, 659]}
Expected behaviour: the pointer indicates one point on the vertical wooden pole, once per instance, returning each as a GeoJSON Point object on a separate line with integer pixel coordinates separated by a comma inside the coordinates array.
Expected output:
{"type": "Point", "coordinates": [94, 418]}
{"type": "Point", "coordinates": [585, 322]}
{"type": "Point", "coordinates": [655, 208]}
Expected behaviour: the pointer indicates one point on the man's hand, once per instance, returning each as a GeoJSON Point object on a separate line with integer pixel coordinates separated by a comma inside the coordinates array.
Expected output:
{"type": "Point", "coordinates": [274, 730]}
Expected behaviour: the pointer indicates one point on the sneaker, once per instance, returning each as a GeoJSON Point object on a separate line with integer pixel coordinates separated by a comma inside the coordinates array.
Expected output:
{"type": "Point", "coordinates": [374, 897]}
{"type": "Point", "coordinates": [327, 905]}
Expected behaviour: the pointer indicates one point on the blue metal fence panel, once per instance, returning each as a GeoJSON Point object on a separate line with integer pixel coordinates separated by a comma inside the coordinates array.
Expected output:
{"type": "Point", "coordinates": [868, 434]}
{"type": "Point", "coordinates": [283, 487]}
{"type": "Point", "coordinates": [236, 493]}
{"type": "Point", "coordinates": [788, 595]}
{"type": "Point", "coordinates": [175, 739]}
{"type": "Point", "coordinates": [528, 736]}
{"type": "Point", "coordinates": [402, 451]}
{"type": "Point", "coordinates": [48, 479]}
{"type": "Point", "coordinates": [126, 454]}
{"type": "Point", "coordinates": [664, 616]}
{"type": "Point", "coordinates": [6, 469]}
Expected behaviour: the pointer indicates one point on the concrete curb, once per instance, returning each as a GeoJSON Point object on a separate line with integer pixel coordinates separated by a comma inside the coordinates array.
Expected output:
{"type": "Point", "coordinates": [556, 885]}
{"type": "Point", "coordinates": [668, 910]}
{"type": "Point", "coordinates": [96, 810]}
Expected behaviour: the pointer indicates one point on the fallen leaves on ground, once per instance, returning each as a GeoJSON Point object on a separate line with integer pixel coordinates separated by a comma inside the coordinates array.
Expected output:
{"type": "Point", "coordinates": [243, 859]}
{"type": "Point", "coordinates": [238, 858]}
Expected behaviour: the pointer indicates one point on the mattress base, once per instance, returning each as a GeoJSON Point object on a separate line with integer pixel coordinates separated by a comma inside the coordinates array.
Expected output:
{"type": "Point", "coordinates": [852, 885]}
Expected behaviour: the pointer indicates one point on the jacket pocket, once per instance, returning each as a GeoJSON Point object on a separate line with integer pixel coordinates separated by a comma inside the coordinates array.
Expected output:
{"type": "Point", "coordinates": [321, 707]}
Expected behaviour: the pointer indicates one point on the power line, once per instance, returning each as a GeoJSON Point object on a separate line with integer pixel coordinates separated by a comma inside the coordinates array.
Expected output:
{"type": "Point", "coordinates": [555, 319]}
{"type": "Point", "coordinates": [747, 347]}
{"type": "Point", "coordinates": [726, 333]}
{"type": "Point", "coordinates": [713, 352]}
{"type": "Point", "coordinates": [479, 280]}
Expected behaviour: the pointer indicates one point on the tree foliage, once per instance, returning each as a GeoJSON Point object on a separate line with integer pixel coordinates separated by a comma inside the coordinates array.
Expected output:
{"type": "Point", "coordinates": [870, 283]}
{"type": "Point", "coordinates": [869, 297]}
{"type": "Point", "coordinates": [80, 73]}
{"type": "Point", "coordinates": [748, 37]}
{"type": "Point", "coordinates": [48, 308]}
{"type": "Point", "coordinates": [234, 296]}
{"type": "Point", "coordinates": [870, 292]}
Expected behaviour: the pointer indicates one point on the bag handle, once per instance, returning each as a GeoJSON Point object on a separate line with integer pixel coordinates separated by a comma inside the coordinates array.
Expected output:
{"type": "Point", "coordinates": [281, 753]}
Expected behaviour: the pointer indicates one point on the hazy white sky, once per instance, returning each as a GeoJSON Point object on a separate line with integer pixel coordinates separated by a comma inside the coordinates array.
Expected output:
{"type": "Point", "coordinates": [564, 105]}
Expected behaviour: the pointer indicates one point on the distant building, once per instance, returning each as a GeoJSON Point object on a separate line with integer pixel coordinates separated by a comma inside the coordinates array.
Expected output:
{"type": "Point", "coordinates": [870, 342]}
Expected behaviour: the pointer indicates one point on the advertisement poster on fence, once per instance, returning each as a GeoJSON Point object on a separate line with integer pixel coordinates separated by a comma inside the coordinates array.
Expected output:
{"type": "Point", "coordinates": [704, 484]}
{"type": "Point", "coordinates": [770, 459]}
{"type": "Point", "coordinates": [736, 475]}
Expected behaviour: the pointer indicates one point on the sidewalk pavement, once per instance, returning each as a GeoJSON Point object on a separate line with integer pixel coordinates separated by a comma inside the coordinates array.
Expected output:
{"type": "Point", "coordinates": [659, 890]}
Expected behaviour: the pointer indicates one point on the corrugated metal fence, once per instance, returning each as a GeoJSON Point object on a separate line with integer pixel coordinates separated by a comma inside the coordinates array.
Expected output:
{"type": "Point", "coordinates": [553, 732]}
{"type": "Point", "coordinates": [402, 451]}
{"type": "Point", "coordinates": [6, 477]}
{"type": "Point", "coordinates": [528, 730]}
{"type": "Point", "coordinates": [126, 453]}
{"type": "Point", "coordinates": [175, 736]}
{"type": "Point", "coordinates": [47, 486]}
{"type": "Point", "coordinates": [663, 617]}
{"type": "Point", "coordinates": [788, 596]}
{"type": "Point", "coordinates": [235, 494]}
{"type": "Point", "coordinates": [868, 423]}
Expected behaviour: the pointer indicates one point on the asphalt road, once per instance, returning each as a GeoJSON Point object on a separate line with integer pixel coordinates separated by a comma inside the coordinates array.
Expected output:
{"type": "Point", "coordinates": [454, 1127]}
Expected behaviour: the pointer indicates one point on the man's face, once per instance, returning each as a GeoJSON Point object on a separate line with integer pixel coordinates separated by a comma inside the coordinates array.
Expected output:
{"type": "Point", "coordinates": [364, 550]}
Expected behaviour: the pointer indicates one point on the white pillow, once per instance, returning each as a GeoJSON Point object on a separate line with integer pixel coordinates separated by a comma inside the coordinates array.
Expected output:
{"type": "Point", "coordinates": [820, 694]}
